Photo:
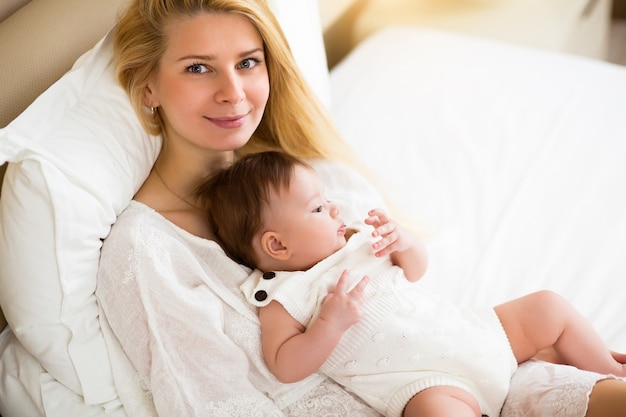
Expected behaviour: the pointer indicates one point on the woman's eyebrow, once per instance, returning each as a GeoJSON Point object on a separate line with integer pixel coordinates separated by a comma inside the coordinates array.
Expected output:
{"type": "Point", "coordinates": [213, 57]}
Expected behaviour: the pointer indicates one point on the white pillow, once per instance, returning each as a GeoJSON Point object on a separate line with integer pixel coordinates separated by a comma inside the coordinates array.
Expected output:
{"type": "Point", "coordinates": [78, 156]}
{"type": "Point", "coordinates": [300, 20]}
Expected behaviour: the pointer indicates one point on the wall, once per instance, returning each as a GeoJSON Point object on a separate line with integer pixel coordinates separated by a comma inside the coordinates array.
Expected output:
{"type": "Point", "coordinates": [619, 9]}
{"type": "Point", "coordinates": [574, 26]}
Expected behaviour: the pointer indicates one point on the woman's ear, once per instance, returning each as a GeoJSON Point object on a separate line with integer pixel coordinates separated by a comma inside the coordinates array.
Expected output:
{"type": "Point", "coordinates": [149, 99]}
{"type": "Point", "coordinates": [274, 247]}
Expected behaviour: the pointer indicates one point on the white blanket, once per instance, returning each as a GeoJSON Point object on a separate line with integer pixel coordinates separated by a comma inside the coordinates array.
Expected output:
{"type": "Point", "coordinates": [512, 159]}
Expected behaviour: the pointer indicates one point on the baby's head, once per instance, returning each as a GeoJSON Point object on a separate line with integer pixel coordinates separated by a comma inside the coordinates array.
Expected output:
{"type": "Point", "coordinates": [268, 211]}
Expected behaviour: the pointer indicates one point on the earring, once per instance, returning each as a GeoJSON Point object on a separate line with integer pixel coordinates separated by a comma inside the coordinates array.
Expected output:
{"type": "Point", "coordinates": [152, 110]}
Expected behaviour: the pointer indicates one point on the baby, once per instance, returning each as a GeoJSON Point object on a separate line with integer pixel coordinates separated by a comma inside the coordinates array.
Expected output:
{"type": "Point", "coordinates": [375, 330]}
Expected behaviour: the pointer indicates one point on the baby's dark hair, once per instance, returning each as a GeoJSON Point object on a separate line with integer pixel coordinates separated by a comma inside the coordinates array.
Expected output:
{"type": "Point", "coordinates": [235, 197]}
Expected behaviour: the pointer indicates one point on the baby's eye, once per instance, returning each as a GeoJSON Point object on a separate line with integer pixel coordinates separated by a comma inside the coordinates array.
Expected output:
{"type": "Point", "coordinates": [318, 209]}
{"type": "Point", "coordinates": [248, 63]}
{"type": "Point", "coordinates": [197, 69]}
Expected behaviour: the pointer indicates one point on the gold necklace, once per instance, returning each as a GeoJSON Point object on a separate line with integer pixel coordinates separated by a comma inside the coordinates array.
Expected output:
{"type": "Point", "coordinates": [156, 171]}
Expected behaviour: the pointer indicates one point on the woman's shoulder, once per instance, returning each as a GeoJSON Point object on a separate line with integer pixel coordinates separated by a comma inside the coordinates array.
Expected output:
{"type": "Point", "coordinates": [142, 236]}
{"type": "Point", "coordinates": [138, 215]}
{"type": "Point", "coordinates": [138, 225]}
{"type": "Point", "coordinates": [142, 228]}
{"type": "Point", "coordinates": [133, 216]}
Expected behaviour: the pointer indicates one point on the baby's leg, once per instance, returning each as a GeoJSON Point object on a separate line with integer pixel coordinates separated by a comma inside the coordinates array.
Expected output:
{"type": "Point", "coordinates": [545, 319]}
{"type": "Point", "coordinates": [442, 401]}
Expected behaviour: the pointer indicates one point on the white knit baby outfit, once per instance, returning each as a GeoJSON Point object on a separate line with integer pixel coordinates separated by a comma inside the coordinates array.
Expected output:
{"type": "Point", "coordinates": [408, 339]}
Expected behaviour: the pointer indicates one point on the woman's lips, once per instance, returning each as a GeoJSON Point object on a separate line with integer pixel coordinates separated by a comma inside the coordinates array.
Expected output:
{"type": "Point", "coordinates": [231, 122]}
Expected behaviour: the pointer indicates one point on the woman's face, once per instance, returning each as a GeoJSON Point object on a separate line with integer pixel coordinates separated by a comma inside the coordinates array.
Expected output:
{"type": "Point", "coordinates": [212, 84]}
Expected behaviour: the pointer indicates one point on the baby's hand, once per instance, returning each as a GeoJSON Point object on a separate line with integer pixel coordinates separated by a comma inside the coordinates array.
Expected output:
{"type": "Point", "coordinates": [342, 308]}
{"type": "Point", "coordinates": [393, 237]}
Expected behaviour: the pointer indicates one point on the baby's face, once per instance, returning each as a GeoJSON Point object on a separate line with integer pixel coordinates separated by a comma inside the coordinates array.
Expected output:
{"type": "Point", "coordinates": [308, 223]}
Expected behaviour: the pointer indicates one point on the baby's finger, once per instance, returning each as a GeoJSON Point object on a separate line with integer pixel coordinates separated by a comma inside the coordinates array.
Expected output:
{"type": "Point", "coordinates": [386, 245]}
{"type": "Point", "coordinates": [382, 214]}
{"type": "Point", "coordinates": [359, 288]}
{"type": "Point", "coordinates": [342, 282]}
{"type": "Point", "coordinates": [387, 239]}
{"type": "Point", "coordinates": [376, 217]}
{"type": "Point", "coordinates": [373, 221]}
{"type": "Point", "coordinates": [384, 229]}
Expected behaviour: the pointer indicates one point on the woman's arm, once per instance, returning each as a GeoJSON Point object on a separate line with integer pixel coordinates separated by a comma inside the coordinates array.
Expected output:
{"type": "Point", "coordinates": [405, 249]}
{"type": "Point", "coordinates": [293, 352]}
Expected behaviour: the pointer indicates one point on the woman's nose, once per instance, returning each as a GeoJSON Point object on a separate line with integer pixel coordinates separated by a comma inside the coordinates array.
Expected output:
{"type": "Point", "coordinates": [230, 89]}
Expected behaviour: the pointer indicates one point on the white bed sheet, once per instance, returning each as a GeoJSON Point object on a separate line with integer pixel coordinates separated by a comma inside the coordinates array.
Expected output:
{"type": "Point", "coordinates": [32, 392]}
{"type": "Point", "coordinates": [512, 159]}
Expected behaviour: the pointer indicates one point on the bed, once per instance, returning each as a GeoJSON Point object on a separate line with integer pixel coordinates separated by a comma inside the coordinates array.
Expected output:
{"type": "Point", "coordinates": [507, 158]}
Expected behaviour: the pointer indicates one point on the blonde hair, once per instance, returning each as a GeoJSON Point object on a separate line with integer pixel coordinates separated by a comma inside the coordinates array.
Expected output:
{"type": "Point", "coordinates": [294, 121]}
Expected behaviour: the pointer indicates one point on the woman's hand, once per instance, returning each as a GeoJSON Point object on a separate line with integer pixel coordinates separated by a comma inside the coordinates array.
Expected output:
{"type": "Point", "coordinates": [404, 248]}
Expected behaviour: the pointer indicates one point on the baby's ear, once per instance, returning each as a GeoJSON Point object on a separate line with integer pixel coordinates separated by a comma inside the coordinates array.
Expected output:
{"type": "Point", "coordinates": [273, 246]}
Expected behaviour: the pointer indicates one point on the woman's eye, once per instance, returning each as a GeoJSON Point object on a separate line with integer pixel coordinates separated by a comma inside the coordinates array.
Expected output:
{"type": "Point", "coordinates": [248, 63]}
{"type": "Point", "coordinates": [197, 69]}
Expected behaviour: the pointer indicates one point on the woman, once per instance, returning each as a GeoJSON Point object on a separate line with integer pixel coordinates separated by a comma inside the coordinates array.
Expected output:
{"type": "Point", "coordinates": [165, 291]}
{"type": "Point", "coordinates": [217, 80]}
